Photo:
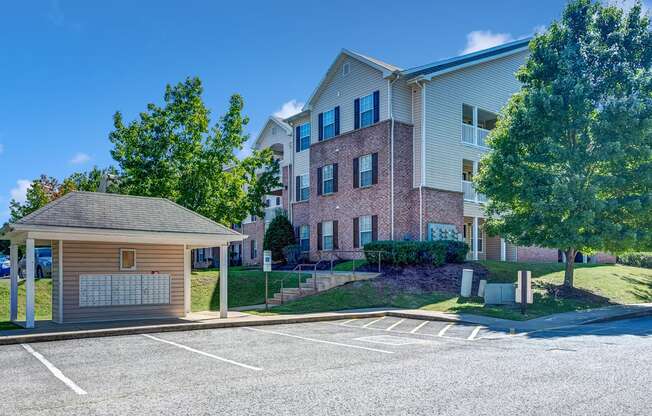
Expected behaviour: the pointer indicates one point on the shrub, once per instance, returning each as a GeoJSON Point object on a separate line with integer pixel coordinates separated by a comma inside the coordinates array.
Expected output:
{"type": "Point", "coordinates": [403, 253]}
{"type": "Point", "coordinates": [279, 235]}
{"type": "Point", "coordinates": [292, 254]}
{"type": "Point", "coordinates": [636, 259]}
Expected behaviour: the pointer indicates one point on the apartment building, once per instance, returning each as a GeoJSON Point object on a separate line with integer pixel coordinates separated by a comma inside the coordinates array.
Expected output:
{"type": "Point", "coordinates": [381, 153]}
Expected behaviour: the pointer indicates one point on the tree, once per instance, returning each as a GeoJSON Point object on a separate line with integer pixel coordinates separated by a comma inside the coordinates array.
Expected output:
{"type": "Point", "coordinates": [46, 189]}
{"type": "Point", "coordinates": [571, 160]}
{"type": "Point", "coordinates": [279, 235]}
{"type": "Point", "coordinates": [172, 152]}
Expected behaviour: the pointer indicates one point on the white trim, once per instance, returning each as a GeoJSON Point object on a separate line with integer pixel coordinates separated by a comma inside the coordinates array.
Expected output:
{"type": "Point", "coordinates": [60, 277]}
{"type": "Point", "coordinates": [29, 283]}
{"type": "Point", "coordinates": [224, 281]}
{"type": "Point", "coordinates": [54, 370]}
{"type": "Point", "coordinates": [128, 269]}
{"type": "Point", "coordinates": [186, 280]}
{"type": "Point", "coordinates": [475, 238]}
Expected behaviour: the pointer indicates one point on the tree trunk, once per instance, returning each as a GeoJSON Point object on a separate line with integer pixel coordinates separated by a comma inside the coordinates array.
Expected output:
{"type": "Point", "coordinates": [570, 267]}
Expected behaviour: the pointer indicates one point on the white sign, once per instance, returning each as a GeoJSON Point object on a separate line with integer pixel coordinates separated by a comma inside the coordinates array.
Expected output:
{"type": "Point", "coordinates": [527, 276]}
{"type": "Point", "coordinates": [267, 261]}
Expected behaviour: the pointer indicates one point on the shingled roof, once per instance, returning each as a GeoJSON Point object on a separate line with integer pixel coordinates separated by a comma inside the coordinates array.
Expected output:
{"type": "Point", "coordinates": [122, 212]}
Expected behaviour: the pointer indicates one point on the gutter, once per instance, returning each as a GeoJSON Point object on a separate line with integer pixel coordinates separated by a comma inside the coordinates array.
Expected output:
{"type": "Point", "coordinates": [390, 107]}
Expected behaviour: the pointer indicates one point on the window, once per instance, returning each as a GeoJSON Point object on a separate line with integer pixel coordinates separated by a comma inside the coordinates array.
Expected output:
{"type": "Point", "coordinates": [366, 235]}
{"type": "Point", "coordinates": [468, 231]}
{"type": "Point", "coordinates": [278, 200]}
{"type": "Point", "coordinates": [327, 180]}
{"type": "Point", "coordinates": [254, 249]}
{"type": "Point", "coordinates": [127, 259]}
{"type": "Point", "coordinates": [329, 124]}
{"type": "Point", "coordinates": [268, 203]}
{"type": "Point", "coordinates": [346, 68]}
{"type": "Point", "coordinates": [304, 137]}
{"type": "Point", "coordinates": [327, 235]}
{"type": "Point", "coordinates": [304, 188]}
{"type": "Point", "coordinates": [367, 110]}
{"type": "Point", "coordinates": [486, 120]}
{"type": "Point", "coordinates": [304, 237]}
{"type": "Point", "coordinates": [253, 218]}
{"type": "Point", "coordinates": [467, 114]}
{"type": "Point", "coordinates": [366, 175]}
{"type": "Point", "coordinates": [476, 124]}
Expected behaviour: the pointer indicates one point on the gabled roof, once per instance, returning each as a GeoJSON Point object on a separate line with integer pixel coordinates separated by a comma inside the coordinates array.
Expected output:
{"type": "Point", "coordinates": [274, 120]}
{"type": "Point", "coordinates": [102, 211]}
{"type": "Point", "coordinates": [386, 69]}
{"type": "Point", "coordinates": [450, 64]}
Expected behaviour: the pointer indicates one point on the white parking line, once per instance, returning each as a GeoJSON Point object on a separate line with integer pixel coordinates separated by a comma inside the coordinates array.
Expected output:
{"type": "Point", "coordinates": [372, 322]}
{"type": "Point", "coordinates": [444, 329]}
{"type": "Point", "coordinates": [474, 333]}
{"type": "Point", "coordinates": [54, 370]}
{"type": "Point", "coordinates": [226, 360]}
{"type": "Point", "coordinates": [421, 325]}
{"type": "Point", "coordinates": [347, 321]}
{"type": "Point", "coordinates": [395, 325]}
{"type": "Point", "coordinates": [318, 340]}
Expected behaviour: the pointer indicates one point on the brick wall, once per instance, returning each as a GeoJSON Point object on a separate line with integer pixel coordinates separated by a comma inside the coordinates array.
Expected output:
{"type": "Point", "coordinates": [537, 254]}
{"type": "Point", "coordinates": [253, 230]}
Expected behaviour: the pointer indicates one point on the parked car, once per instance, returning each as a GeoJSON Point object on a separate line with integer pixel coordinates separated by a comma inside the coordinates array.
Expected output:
{"type": "Point", "coordinates": [42, 262]}
{"type": "Point", "coordinates": [5, 265]}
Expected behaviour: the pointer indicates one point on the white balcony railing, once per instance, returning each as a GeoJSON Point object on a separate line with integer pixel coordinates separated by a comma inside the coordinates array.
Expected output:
{"type": "Point", "coordinates": [272, 212]}
{"type": "Point", "coordinates": [474, 135]}
{"type": "Point", "coordinates": [482, 135]}
{"type": "Point", "coordinates": [471, 195]}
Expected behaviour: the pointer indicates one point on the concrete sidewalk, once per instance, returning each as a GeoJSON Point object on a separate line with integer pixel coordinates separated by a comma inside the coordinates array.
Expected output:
{"type": "Point", "coordinates": [48, 331]}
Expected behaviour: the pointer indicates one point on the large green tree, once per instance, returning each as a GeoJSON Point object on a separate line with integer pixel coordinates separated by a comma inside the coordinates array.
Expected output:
{"type": "Point", "coordinates": [571, 160]}
{"type": "Point", "coordinates": [172, 151]}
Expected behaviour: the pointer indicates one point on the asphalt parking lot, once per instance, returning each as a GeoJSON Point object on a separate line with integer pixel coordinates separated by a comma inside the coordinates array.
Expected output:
{"type": "Point", "coordinates": [354, 367]}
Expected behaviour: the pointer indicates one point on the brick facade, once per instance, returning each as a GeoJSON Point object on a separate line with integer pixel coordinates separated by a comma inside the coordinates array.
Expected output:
{"type": "Point", "coordinates": [537, 254]}
{"type": "Point", "coordinates": [253, 230]}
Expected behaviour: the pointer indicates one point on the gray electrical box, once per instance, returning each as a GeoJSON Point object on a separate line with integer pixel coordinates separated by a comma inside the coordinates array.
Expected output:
{"type": "Point", "coordinates": [499, 294]}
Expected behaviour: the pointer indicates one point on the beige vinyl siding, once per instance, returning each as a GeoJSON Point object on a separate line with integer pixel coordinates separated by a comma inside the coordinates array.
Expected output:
{"type": "Point", "coordinates": [488, 86]}
{"type": "Point", "coordinates": [268, 138]}
{"type": "Point", "coordinates": [302, 159]}
{"type": "Point", "coordinates": [417, 116]}
{"type": "Point", "coordinates": [55, 281]}
{"type": "Point", "coordinates": [471, 209]}
{"type": "Point", "coordinates": [492, 247]}
{"type": "Point", "coordinates": [342, 90]}
{"type": "Point", "coordinates": [104, 258]}
{"type": "Point", "coordinates": [402, 101]}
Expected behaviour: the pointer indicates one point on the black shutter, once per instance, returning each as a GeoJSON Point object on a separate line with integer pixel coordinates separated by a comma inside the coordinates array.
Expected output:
{"type": "Point", "coordinates": [319, 182]}
{"type": "Point", "coordinates": [356, 113]}
{"type": "Point", "coordinates": [297, 233]}
{"type": "Point", "coordinates": [320, 117]}
{"type": "Point", "coordinates": [334, 177]}
{"type": "Point", "coordinates": [297, 197]}
{"type": "Point", "coordinates": [251, 249]}
{"type": "Point", "coordinates": [319, 234]}
{"type": "Point", "coordinates": [374, 228]}
{"type": "Point", "coordinates": [374, 168]}
{"type": "Point", "coordinates": [337, 120]}
{"type": "Point", "coordinates": [376, 106]}
{"type": "Point", "coordinates": [356, 172]}
{"type": "Point", "coordinates": [298, 139]}
{"type": "Point", "coordinates": [356, 232]}
{"type": "Point", "coordinates": [335, 238]}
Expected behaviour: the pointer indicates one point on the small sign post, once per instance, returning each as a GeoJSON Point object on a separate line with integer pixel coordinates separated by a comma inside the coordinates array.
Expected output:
{"type": "Point", "coordinates": [524, 290]}
{"type": "Point", "coordinates": [267, 267]}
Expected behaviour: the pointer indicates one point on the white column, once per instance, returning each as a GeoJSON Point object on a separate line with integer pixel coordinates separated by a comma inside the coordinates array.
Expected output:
{"type": "Point", "coordinates": [585, 258]}
{"type": "Point", "coordinates": [475, 238]}
{"type": "Point", "coordinates": [60, 270]}
{"type": "Point", "coordinates": [224, 281]}
{"type": "Point", "coordinates": [29, 283]}
{"type": "Point", "coordinates": [13, 286]}
{"type": "Point", "coordinates": [503, 250]}
{"type": "Point", "coordinates": [475, 171]}
{"type": "Point", "coordinates": [187, 287]}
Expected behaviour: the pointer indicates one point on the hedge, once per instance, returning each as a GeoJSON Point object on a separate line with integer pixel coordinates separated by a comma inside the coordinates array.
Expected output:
{"type": "Point", "coordinates": [636, 259]}
{"type": "Point", "coordinates": [404, 253]}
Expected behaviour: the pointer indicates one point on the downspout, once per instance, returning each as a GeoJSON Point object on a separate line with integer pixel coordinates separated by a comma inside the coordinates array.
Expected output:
{"type": "Point", "coordinates": [423, 158]}
{"type": "Point", "coordinates": [390, 107]}
{"type": "Point", "coordinates": [291, 176]}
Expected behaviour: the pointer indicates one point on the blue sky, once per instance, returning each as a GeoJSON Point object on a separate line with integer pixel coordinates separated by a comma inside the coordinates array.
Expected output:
{"type": "Point", "coordinates": [67, 66]}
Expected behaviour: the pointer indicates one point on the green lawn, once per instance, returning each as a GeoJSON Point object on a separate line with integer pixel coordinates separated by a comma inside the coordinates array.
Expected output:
{"type": "Point", "coordinates": [43, 301]}
{"type": "Point", "coordinates": [607, 284]}
{"type": "Point", "coordinates": [347, 266]}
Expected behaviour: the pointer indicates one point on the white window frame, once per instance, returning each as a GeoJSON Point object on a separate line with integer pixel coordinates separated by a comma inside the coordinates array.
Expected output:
{"type": "Point", "coordinates": [370, 170]}
{"type": "Point", "coordinates": [367, 221]}
{"type": "Point", "coordinates": [330, 178]}
{"type": "Point", "coordinates": [128, 269]}
{"type": "Point", "coordinates": [324, 124]}
{"type": "Point", "coordinates": [346, 69]}
{"type": "Point", "coordinates": [303, 237]}
{"type": "Point", "coordinates": [324, 235]}
{"type": "Point", "coordinates": [370, 99]}
{"type": "Point", "coordinates": [304, 133]}
{"type": "Point", "coordinates": [304, 178]}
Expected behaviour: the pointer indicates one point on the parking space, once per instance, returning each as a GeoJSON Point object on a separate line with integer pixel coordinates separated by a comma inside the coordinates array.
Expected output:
{"type": "Point", "coordinates": [395, 363]}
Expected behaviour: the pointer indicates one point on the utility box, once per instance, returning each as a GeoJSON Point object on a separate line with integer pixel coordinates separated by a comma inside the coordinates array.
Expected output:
{"type": "Point", "coordinates": [499, 293]}
{"type": "Point", "coordinates": [467, 282]}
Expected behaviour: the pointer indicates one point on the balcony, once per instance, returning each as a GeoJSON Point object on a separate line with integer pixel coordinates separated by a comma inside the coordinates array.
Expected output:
{"type": "Point", "coordinates": [273, 212]}
{"type": "Point", "coordinates": [471, 195]}
{"type": "Point", "coordinates": [474, 135]}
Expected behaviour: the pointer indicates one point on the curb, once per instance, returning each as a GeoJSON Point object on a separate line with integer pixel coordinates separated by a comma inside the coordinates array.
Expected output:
{"type": "Point", "coordinates": [149, 329]}
{"type": "Point", "coordinates": [629, 315]}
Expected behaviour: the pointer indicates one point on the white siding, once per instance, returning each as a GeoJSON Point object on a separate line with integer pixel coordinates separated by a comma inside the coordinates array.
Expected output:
{"type": "Point", "coordinates": [272, 134]}
{"type": "Point", "coordinates": [488, 86]}
{"type": "Point", "coordinates": [342, 90]}
{"type": "Point", "coordinates": [417, 115]}
{"type": "Point", "coordinates": [302, 159]}
{"type": "Point", "coordinates": [402, 101]}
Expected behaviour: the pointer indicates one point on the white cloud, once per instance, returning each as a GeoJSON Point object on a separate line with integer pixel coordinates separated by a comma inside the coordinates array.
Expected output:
{"type": "Point", "coordinates": [538, 29]}
{"type": "Point", "coordinates": [483, 39]}
{"type": "Point", "coordinates": [19, 193]}
{"type": "Point", "coordinates": [290, 108]}
{"type": "Point", "coordinates": [80, 158]}
{"type": "Point", "coordinates": [628, 4]}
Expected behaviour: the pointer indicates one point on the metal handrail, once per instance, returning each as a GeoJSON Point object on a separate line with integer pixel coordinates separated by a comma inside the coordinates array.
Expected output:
{"type": "Point", "coordinates": [334, 252]}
